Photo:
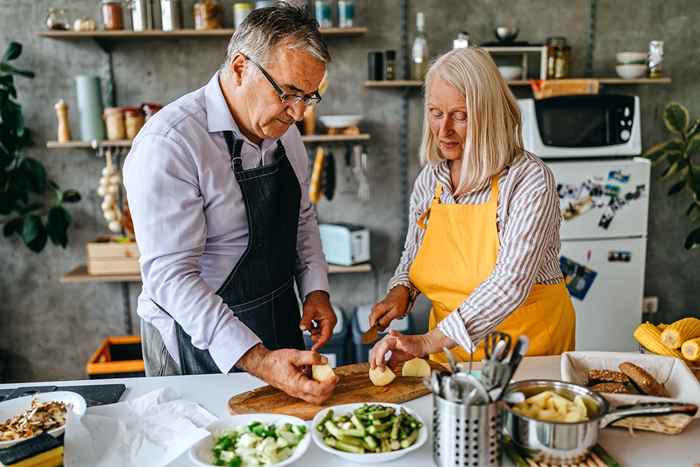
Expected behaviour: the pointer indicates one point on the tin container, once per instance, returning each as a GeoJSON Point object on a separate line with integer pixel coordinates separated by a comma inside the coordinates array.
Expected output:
{"type": "Point", "coordinates": [171, 15]}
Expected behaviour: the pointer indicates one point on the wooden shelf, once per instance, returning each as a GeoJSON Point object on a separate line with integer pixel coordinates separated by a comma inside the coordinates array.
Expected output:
{"type": "Point", "coordinates": [127, 143]}
{"type": "Point", "coordinates": [610, 81]}
{"type": "Point", "coordinates": [180, 33]}
{"type": "Point", "coordinates": [79, 275]}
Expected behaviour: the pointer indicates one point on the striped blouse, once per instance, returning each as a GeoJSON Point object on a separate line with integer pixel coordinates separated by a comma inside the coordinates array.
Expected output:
{"type": "Point", "coordinates": [528, 219]}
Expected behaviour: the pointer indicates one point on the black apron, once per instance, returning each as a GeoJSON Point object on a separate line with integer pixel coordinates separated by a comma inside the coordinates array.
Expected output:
{"type": "Point", "coordinates": [260, 288]}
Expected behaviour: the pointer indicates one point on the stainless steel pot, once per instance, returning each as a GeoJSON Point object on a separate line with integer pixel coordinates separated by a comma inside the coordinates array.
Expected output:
{"type": "Point", "coordinates": [560, 443]}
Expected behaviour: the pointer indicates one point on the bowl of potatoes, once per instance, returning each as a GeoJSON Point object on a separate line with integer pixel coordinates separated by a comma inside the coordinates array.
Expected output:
{"type": "Point", "coordinates": [558, 422]}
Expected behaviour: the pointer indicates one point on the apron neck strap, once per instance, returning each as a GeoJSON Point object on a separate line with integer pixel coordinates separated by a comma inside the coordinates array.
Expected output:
{"type": "Point", "coordinates": [234, 149]}
{"type": "Point", "coordinates": [438, 191]}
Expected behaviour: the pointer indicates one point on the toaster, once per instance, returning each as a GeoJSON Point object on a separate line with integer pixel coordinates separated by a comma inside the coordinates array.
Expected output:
{"type": "Point", "coordinates": [345, 244]}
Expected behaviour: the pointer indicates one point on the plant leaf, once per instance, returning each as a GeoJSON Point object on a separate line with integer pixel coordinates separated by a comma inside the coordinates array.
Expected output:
{"type": "Point", "coordinates": [677, 187]}
{"type": "Point", "coordinates": [661, 150]}
{"type": "Point", "coordinates": [30, 207]}
{"type": "Point", "coordinates": [59, 220]}
{"type": "Point", "coordinates": [12, 226]}
{"type": "Point", "coordinates": [71, 196]}
{"type": "Point", "coordinates": [694, 128]}
{"type": "Point", "coordinates": [36, 174]}
{"type": "Point", "coordinates": [693, 145]}
{"type": "Point", "coordinates": [7, 68]}
{"type": "Point", "coordinates": [31, 228]}
{"type": "Point", "coordinates": [13, 51]}
{"type": "Point", "coordinates": [670, 170]}
{"type": "Point", "coordinates": [693, 239]}
{"type": "Point", "coordinates": [676, 117]}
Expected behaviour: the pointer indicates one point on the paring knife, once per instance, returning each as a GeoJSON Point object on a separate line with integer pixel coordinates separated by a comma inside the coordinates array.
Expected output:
{"type": "Point", "coordinates": [370, 335]}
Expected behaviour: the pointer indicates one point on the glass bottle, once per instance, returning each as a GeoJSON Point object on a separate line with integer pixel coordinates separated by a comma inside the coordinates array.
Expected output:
{"type": "Point", "coordinates": [419, 52]}
{"type": "Point", "coordinates": [655, 59]}
{"type": "Point", "coordinates": [324, 13]}
{"type": "Point", "coordinates": [346, 13]}
{"type": "Point", "coordinates": [112, 15]}
{"type": "Point", "coordinates": [56, 20]}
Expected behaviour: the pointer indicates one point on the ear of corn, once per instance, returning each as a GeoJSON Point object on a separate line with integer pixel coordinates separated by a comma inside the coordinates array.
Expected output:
{"type": "Point", "coordinates": [649, 337]}
{"type": "Point", "coordinates": [662, 326]}
{"type": "Point", "coordinates": [691, 349]}
{"type": "Point", "coordinates": [680, 331]}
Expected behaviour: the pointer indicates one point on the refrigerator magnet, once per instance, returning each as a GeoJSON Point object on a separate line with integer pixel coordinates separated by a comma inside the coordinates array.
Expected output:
{"type": "Point", "coordinates": [619, 176]}
{"type": "Point", "coordinates": [578, 278]}
{"type": "Point", "coordinates": [619, 256]}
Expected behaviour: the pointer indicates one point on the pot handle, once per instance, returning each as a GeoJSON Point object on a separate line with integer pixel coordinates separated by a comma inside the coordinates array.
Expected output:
{"type": "Point", "coordinates": [648, 409]}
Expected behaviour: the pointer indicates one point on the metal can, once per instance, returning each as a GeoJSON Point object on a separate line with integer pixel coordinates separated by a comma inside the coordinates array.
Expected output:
{"type": "Point", "coordinates": [240, 12]}
{"type": "Point", "coordinates": [171, 14]}
{"type": "Point", "coordinates": [141, 15]}
{"type": "Point", "coordinates": [656, 59]}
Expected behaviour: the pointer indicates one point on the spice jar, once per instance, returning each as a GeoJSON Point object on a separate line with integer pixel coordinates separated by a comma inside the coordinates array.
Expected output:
{"type": "Point", "coordinates": [553, 43]}
{"type": "Point", "coordinates": [346, 13]}
{"type": "Point", "coordinates": [114, 118]}
{"type": "Point", "coordinates": [562, 61]}
{"type": "Point", "coordinates": [134, 120]}
{"type": "Point", "coordinates": [112, 15]}
{"type": "Point", "coordinates": [324, 13]}
{"type": "Point", "coordinates": [207, 15]}
{"type": "Point", "coordinates": [150, 108]}
{"type": "Point", "coordinates": [56, 20]}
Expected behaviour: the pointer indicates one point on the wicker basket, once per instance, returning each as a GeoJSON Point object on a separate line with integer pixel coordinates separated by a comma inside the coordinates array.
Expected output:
{"type": "Point", "coordinates": [667, 424]}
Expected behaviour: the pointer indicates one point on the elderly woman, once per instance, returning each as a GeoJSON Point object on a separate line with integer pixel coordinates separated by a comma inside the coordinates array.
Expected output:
{"type": "Point", "coordinates": [483, 239]}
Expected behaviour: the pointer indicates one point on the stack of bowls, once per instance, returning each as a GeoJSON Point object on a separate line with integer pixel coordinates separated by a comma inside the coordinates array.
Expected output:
{"type": "Point", "coordinates": [631, 65]}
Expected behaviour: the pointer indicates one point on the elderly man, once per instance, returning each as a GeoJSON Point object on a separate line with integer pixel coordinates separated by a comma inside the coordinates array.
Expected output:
{"type": "Point", "coordinates": [217, 184]}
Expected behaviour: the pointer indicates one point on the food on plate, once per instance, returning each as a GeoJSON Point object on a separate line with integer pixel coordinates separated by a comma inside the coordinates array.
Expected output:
{"type": "Point", "coordinates": [552, 407]}
{"type": "Point", "coordinates": [369, 429]}
{"type": "Point", "coordinates": [416, 367]}
{"type": "Point", "coordinates": [381, 377]}
{"type": "Point", "coordinates": [691, 349]}
{"type": "Point", "coordinates": [257, 444]}
{"type": "Point", "coordinates": [606, 376]}
{"type": "Point", "coordinates": [322, 372]}
{"type": "Point", "coordinates": [649, 336]}
{"type": "Point", "coordinates": [614, 388]}
{"type": "Point", "coordinates": [643, 381]}
{"type": "Point", "coordinates": [41, 417]}
{"type": "Point", "coordinates": [680, 331]}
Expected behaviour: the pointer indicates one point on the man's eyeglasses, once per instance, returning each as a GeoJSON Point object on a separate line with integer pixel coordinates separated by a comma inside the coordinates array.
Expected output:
{"type": "Point", "coordinates": [286, 98]}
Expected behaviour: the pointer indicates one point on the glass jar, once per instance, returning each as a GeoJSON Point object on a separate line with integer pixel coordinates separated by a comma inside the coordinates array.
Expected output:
{"type": "Point", "coordinates": [56, 20]}
{"type": "Point", "coordinates": [656, 59]}
{"type": "Point", "coordinates": [553, 43]}
{"type": "Point", "coordinates": [390, 64]}
{"type": "Point", "coordinates": [324, 13]}
{"type": "Point", "coordinates": [114, 118]}
{"type": "Point", "coordinates": [562, 62]}
{"type": "Point", "coordinates": [346, 13]}
{"type": "Point", "coordinates": [112, 15]}
{"type": "Point", "coordinates": [150, 108]}
{"type": "Point", "coordinates": [207, 15]}
{"type": "Point", "coordinates": [134, 120]}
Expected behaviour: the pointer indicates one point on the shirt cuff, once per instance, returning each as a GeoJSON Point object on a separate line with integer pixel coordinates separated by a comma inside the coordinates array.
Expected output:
{"type": "Point", "coordinates": [312, 281]}
{"type": "Point", "coordinates": [454, 328]}
{"type": "Point", "coordinates": [230, 343]}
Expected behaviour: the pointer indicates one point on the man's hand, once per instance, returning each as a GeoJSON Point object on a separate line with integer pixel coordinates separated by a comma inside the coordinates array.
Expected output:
{"type": "Point", "coordinates": [284, 369]}
{"type": "Point", "coordinates": [318, 309]}
{"type": "Point", "coordinates": [393, 307]}
{"type": "Point", "coordinates": [404, 347]}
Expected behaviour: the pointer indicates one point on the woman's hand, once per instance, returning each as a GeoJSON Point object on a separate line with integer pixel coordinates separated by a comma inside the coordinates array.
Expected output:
{"type": "Point", "coordinates": [404, 347]}
{"type": "Point", "coordinates": [393, 307]}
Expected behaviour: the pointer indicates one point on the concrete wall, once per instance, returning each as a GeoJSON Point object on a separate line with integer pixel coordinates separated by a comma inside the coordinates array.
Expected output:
{"type": "Point", "coordinates": [49, 330]}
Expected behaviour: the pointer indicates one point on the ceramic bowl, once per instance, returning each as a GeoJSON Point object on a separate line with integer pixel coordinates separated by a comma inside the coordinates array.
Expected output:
{"type": "Point", "coordinates": [340, 121]}
{"type": "Point", "coordinates": [631, 58]}
{"type": "Point", "coordinates": [511, 73]}
{"type": "Point", "coordinates": [505, 33]}
{"type": "Point", "coordinates": [631, 71]}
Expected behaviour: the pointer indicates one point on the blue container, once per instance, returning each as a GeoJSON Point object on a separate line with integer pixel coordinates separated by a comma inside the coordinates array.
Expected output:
{"type": "Point", "coordinates": [336, 349]}
{"type": "Point", "coordinates": [360, 324]}
{"type": "Point", "coordinates": [90, 106]}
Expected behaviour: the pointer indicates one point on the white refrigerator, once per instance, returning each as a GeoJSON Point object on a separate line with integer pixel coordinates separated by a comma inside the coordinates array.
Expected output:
{"type": "Point", "coordinates": [604, 206]}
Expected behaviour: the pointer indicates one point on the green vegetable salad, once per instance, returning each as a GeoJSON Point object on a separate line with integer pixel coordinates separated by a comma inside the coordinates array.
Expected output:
{"type": "Point", "coordinates": [257, 444]}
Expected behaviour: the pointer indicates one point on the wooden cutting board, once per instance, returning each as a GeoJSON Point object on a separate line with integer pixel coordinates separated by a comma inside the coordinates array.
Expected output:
{"type": "Point", "coordinates": [354, 386]}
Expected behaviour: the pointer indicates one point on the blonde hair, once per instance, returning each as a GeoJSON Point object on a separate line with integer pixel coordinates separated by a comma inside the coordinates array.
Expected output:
{"type": "Point", "coordinates": [493, 139]}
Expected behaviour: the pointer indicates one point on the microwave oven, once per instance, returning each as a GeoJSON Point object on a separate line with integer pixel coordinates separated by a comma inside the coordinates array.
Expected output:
{"type": "Point", "coordinates": [582, 126]}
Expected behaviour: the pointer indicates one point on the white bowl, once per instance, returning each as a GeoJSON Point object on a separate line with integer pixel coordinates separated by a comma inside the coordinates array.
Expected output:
{"type": "Point", "coordinates": [510, 73]}
{"type": "Point", "coordinates": [8, 409]}
{"type": "Point", "coordinates": [628, 58]}
{"type": "Point", "coordinates": [372, 458]}
{"type": "Point", "coordinates": [631, 71]}
{"type": "Point", "coordinates": [201, 453]}
{"type": "Point", "coordinates": [340, 121]}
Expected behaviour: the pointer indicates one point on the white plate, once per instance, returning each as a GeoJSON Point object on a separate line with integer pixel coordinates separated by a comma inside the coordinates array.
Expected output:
{"type": "Point", "coordinates": [14, 407]}
{"type": "Point", "coordinates": [202, 455]}
{"type": "Point", "coordinates": [340, 121]}
{"type": "Point", "coordinates": [371, 458]}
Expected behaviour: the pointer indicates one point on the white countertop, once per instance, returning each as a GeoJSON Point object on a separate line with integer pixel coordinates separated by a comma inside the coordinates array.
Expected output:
{"type": "Point", "coordinates": [214, 391]}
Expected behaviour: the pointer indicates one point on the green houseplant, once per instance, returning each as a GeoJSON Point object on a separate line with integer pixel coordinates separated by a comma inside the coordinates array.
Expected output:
{"type": "Point", "coordinates": [680, 167]}
{"type": "Point", "coordinates": [31, 205]}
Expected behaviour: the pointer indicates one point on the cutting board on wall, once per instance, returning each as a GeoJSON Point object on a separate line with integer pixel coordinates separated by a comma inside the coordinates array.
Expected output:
{"type": "Point", "coordinates": [354, 386]}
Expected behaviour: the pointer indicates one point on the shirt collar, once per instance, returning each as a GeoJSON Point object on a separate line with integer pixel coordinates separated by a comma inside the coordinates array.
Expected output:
{"type": "Point", "coordinates": [219, 116]}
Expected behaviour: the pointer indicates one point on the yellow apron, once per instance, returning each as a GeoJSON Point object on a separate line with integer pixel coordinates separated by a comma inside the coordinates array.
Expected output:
{"type": "Point", "coordinates": [459, 252]}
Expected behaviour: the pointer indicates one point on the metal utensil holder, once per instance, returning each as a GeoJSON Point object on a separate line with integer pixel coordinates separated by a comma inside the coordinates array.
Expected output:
{"type": "Point", "coordinates": [466, 435]}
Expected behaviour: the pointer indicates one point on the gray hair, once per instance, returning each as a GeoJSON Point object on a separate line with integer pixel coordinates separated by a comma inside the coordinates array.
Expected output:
{"type": "Point", "coordinates": [265, 28]}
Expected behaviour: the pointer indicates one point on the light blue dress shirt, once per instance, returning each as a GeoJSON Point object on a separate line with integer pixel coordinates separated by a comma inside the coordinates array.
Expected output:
{"type": "Point", "coordinates": [191, 226]}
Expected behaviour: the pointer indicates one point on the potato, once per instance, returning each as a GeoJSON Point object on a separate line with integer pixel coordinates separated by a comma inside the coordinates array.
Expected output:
{"type": "Point", "coordinates": [381, 378]}
{"type": "Point", "coordinates": [322, 372]}
{"type": "Point", "coordinates": [416, 367]}
{"type": "Point", "coordinates": [578, 401]}
{"type": "Point", "coordinates": [550, 406]}
{"type": "Point", "coordinates": [540, 400]}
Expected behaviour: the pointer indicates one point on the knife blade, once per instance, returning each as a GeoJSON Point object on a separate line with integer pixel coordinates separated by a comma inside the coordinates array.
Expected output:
{"type": "Point", "coordinates": [370, 335]}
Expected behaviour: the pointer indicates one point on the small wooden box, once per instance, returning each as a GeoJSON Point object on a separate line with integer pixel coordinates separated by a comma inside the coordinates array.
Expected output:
{"type": "Point", "coordinates": [105, 256]}
{"type": "Point", "coordinates": [117, 357]}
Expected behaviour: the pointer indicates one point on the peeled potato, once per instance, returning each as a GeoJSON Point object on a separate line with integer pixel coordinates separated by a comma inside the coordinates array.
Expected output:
{"type": "Point", "coordinates": [381, 378]}
{"type": "Point", "coordinates": [416, 367]}
{"type": "Point", "coordinates": [322, 372]}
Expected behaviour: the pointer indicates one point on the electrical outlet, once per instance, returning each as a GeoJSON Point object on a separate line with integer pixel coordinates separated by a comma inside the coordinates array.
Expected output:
{"type": "Point", "coordinates": [650, 305]}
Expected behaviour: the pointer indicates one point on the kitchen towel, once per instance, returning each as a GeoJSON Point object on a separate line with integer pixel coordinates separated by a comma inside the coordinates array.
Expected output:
{"type": "Point", "coordinates": [151, 430]}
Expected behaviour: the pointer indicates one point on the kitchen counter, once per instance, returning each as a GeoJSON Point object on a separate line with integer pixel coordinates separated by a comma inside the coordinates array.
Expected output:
{"type": "Point", "coordinates": [214, 391]}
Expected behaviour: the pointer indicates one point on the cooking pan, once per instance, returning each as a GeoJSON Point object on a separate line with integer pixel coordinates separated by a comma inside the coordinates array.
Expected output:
{"type": "Point", "coordinates": [560, 443]}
